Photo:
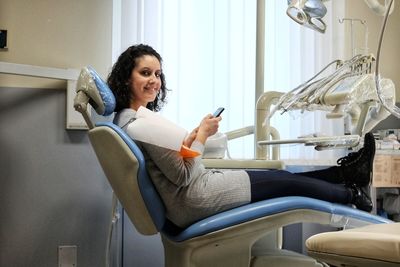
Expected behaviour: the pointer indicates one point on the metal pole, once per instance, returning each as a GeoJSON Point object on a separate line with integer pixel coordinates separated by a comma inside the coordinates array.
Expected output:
{"type": "Point", "coordinates": [260, 46]}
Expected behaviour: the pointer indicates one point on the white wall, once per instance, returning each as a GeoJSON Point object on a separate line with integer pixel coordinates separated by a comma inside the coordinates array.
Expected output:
{"type": "Point", "coordinates": [52, 189]}
{"type": "Point", "coordinates": [60, 34]}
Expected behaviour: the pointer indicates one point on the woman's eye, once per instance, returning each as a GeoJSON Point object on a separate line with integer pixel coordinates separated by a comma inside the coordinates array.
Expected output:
{"type": "Point", "coordinates": [146, 73]}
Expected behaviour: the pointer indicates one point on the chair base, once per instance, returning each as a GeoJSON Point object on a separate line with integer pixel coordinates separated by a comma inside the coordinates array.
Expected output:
{"type": "Point", "coordinates": [233, 246]}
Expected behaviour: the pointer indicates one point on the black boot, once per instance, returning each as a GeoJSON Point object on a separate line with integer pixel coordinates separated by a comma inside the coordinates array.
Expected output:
{"type": "Point", "coordinates": [361, 199]}
{"type": "Point", "coordinates": [356, 168]}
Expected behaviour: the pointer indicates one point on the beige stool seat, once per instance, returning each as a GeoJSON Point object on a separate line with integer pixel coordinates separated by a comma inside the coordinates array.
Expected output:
{"type": "Point", "coordinates": [372, 245]}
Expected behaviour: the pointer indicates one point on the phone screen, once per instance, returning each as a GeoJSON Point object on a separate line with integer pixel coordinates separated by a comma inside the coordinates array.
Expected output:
{"type": "Point", "coordinates": [218, 112]}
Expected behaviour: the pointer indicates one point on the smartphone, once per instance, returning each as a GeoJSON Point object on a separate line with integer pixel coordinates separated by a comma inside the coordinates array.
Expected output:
{"type": "Point", "coordinates": [218, 112]}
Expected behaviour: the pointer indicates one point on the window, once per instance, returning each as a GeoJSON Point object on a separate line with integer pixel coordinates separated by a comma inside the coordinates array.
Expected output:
{"type": "Point", "coordinates": [209, 52]}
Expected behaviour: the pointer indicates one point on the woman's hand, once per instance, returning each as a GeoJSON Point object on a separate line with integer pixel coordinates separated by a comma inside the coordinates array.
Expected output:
{"type": "Point", "coordinates": [191, 137]}
{"type": "Point", "coordinates": [208, 126]}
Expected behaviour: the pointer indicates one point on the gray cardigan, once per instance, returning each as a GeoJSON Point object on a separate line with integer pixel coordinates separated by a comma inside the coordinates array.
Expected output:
{"type": "Point", "coordinates": [189, 191]}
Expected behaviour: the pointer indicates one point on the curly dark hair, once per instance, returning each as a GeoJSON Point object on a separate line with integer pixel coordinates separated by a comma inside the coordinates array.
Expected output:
{"type": "Point", "coordinates": [118, 79]}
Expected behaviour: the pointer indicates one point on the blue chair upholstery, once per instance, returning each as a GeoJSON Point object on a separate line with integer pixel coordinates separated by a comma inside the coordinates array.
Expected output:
{"type": "Point", "coordinates": [224, 239]}
{"type": "Point", "coordinates": [152, 200]}
{"type": "Point", "coordinates": [92, 89]}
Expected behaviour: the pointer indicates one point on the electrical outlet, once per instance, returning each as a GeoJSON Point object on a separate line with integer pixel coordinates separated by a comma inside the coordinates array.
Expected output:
{"type": "Point", "coordinates": [67, 256]}
{"type": "Point", "coordinates": [3, 39]}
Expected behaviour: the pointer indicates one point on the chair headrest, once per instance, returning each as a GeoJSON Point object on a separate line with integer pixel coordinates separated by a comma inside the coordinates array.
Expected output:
{"type": "Point", "coordinates": [100, 95]}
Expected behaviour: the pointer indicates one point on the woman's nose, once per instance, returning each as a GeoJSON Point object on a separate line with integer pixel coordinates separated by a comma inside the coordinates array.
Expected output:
{"type": "Point", "coordinates": [152, 78]}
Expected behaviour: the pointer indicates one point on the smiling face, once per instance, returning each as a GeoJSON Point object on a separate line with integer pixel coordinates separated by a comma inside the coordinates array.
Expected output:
{"type": "Point", "coordinates": [145, 81]}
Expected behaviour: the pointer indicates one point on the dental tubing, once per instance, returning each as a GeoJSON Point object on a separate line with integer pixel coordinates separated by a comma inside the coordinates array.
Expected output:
{"type": "Point", "coordinates": [386, 101]}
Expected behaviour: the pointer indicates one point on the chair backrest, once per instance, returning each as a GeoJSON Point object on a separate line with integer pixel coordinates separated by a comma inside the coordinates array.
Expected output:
{"type": "Point", "coordinates": [121, 159]}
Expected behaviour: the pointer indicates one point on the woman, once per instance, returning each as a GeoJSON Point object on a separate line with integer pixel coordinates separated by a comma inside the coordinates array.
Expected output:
{"type": "Point", "coordinates": [189, 191]}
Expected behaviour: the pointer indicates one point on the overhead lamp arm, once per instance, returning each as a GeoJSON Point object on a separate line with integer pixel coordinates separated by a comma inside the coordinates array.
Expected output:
{"type": "Point", "coordinates": [309, 13]}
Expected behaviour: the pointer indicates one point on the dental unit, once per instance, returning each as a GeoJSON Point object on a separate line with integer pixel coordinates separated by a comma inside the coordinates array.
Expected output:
{"type": "Point", "coordinates": [352, 90]}
{"type": "Point", "coordinates": [349, 91]}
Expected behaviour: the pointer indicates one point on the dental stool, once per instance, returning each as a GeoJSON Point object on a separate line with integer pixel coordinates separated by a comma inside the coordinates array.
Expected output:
{"type": "Point", "coordinates": [369, 246]}
{"type": "Point", "coordinates": [238, 237]}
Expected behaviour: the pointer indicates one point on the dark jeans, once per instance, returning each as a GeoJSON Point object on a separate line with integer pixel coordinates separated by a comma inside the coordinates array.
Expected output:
{"type": "Point", "coordinates": [266, 184]}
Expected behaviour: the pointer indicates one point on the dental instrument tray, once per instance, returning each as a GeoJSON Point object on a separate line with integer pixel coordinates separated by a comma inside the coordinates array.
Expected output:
{"type": "Point", "coordinates": [320, 143]}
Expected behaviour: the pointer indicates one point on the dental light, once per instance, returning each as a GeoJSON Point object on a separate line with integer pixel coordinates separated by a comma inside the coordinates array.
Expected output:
{"type": "Point", "coordinates": [309, 13]}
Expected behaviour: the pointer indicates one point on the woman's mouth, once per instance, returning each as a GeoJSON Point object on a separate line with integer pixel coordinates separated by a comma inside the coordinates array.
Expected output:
{"type": "Point", "coordinates": [152, 89]}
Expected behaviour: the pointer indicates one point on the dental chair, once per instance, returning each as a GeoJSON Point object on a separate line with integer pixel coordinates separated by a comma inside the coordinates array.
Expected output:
{"type": "Point", "coordinates": [237, 237]}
